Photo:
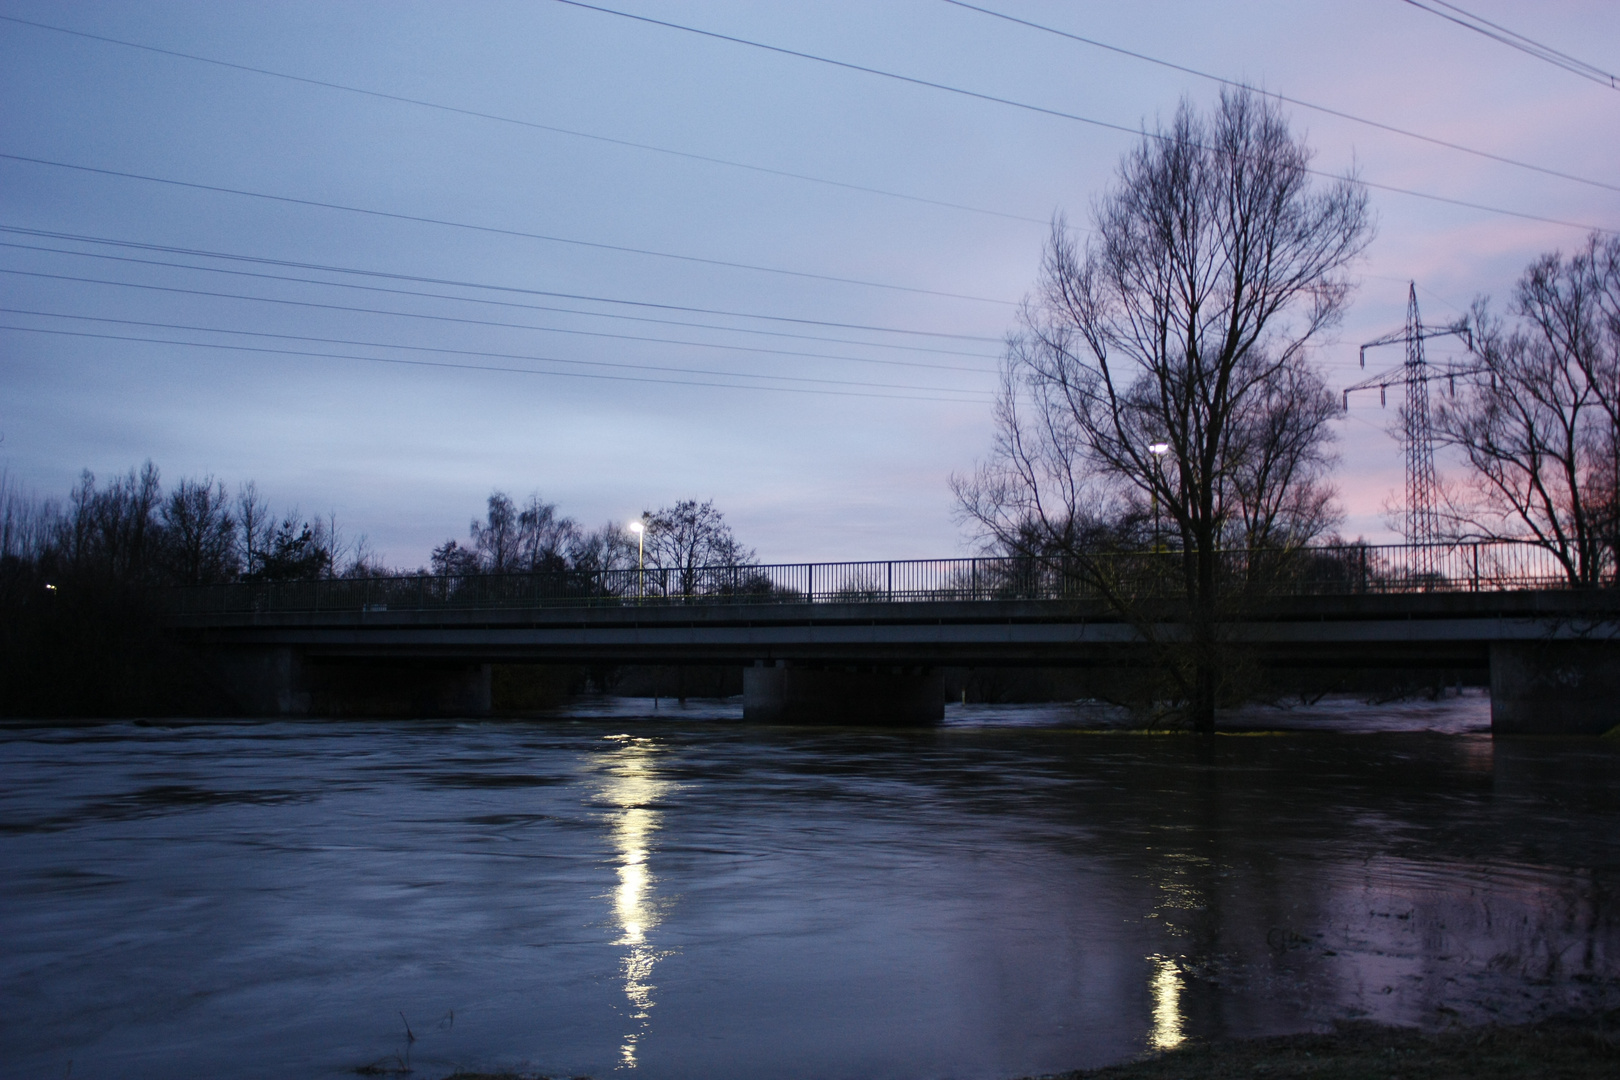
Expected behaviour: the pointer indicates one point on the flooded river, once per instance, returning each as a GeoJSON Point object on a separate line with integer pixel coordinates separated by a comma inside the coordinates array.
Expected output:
{"type": "Point", "coordinates": [613, 893]}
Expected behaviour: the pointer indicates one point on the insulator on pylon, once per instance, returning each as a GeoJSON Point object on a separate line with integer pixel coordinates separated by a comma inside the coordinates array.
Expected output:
{"type": "Point", "coordinates": [1453, 386]}
{"type": "Point", "coordinates": [1347, 401]}
{"type": "Point", "coordinates": [1381, 399]}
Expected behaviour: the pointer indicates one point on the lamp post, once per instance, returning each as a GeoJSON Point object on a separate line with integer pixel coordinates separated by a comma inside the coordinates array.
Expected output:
{"type": "Point", "coordinates": [641, 567]}
{"type": "Point", "coordinates": [1158, 450]}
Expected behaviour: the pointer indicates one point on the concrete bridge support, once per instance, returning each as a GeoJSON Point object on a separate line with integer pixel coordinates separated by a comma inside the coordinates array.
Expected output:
{"type": "Point", "coordinates": [286, 682]}
{"type": "Point", "coordinates": [840, 695]}
{"type": "Point", "coordinates": [1554, 687]}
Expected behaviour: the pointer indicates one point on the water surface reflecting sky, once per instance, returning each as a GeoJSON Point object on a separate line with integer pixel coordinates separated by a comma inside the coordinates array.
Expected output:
{"type": "Point", "coordinates": [699, 898]}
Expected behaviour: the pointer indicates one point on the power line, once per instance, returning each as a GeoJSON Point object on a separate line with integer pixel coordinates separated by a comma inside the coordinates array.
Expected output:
{"type": "Point", "coordinates": [1513, 40]}
{"type": "Point", "coordinates": [483, 300]}
{"type": "Point", "coordinates": [496, 355]}
{"type": "Point", "coordinates": [1326, 110]}
{"type": "Point", "coordinates": [1046, 111]}
{"type": "Point", "coordinates": [496, 117]}
{"type": "Point", "coordinates": [498, 231]}
{"type": "Point", "coordinates": [514, 289]}
{"type": "Point", "coordinates": [471, 367]}
{"type": "Point", "coordinates": [465, 321]}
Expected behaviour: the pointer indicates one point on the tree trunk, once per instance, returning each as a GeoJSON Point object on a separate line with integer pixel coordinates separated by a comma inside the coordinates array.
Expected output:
{"type": "Point", "coordinates": [1203, 702]}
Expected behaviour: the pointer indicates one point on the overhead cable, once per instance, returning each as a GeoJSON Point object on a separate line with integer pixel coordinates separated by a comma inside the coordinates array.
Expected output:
{"type": "Point", "coordinates": [1513, 40]}
{"type": "Point", "coordinates": [472, 322]}
{"type": "Point", "coordinates": [616, 316]}
{"type": "Point", "coordinates": [496, 230]}
{"type": "Point", "coordinates": [471, 367]}
{"type": "Point", "coordinates": [1324, 109]}
{"type": "Point", "coordinates": [492, 287]}
{"type": "Point", "coordinates": [485, 353]}
{"type": "Point", "coordinates": [1047, 111]}
{"type": "Point", "coordinates": [496, 117]}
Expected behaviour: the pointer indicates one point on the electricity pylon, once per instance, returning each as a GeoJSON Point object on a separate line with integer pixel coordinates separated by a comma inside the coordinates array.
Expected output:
{"type": "Point", "coordinates": [1422, 488]}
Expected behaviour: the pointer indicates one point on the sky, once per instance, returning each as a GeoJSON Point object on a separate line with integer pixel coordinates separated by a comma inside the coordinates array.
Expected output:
{"type": "Point", "coordinates": [622, 264]}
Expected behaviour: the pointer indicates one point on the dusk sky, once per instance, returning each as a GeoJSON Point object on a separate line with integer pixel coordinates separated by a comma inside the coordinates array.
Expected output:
{"type": "Point", "coordinates": [826, 259]}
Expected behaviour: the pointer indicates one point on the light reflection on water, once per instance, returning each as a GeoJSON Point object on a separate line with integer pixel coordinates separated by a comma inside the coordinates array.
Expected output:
{"type": "Point", "coordinates": [697, 897]}
{"type": "Point", "coordinates": [633, 786]}
{"type": "Point", "coordinates": [1166, 1034]}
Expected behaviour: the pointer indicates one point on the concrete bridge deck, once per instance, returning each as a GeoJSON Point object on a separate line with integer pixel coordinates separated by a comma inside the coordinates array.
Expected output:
{"type": "Point", "coordinates": [1553, 654]}
{"type": "Point", "coordinates": [1414, 629]}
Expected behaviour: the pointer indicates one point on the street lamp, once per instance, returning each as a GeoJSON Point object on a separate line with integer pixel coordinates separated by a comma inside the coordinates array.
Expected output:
{"type": "Point", "coordinates": [1158, 450]}
{"type": "Point", "coordinates": [641, 573]}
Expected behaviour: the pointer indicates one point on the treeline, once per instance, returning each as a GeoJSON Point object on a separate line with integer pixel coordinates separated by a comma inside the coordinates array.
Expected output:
{"type": "Point", "coordinates": [536, 538]}
{"type": "Point", "coordinates": [79, 634]}
{"type": "Point", "coordinates": [79, 627]}
{"type": "Point", "coordinates": [129, 530]}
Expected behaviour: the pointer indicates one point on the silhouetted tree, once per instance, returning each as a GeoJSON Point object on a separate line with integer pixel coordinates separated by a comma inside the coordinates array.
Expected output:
{"type": "Point", "coordinates": [113, 531]}
{"type": "Point", "coordinates": [1183, 323]}
{"type": "Point", "coordinates": [608, 548]}
{"type": "Point", "coordinates": [254, 525]}
{"type": "Point", "coordinates": [450, 559]}
{"type": "Point", "coordinates": [199, 534]}
{"type": "Point", "coordinates": [546, 540]}
{"type": "Point", "coordinates": [293, 551]}
{"type": "Point", "coordinates": [688, 536]}
{"type": "Point", "coordinates": [496, 539]}
{"type": "Point", "coordinates": [1538, 418]}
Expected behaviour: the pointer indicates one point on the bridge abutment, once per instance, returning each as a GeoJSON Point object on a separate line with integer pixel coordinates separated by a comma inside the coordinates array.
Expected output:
{"type": "Point", "coordinates": [1554, 687]}
{"type": "Point", "coordinates": [812, 695]}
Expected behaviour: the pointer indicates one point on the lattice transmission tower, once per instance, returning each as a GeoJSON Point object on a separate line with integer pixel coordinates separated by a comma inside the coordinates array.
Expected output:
{"type": "Point", "coordinates": [1422, 488]}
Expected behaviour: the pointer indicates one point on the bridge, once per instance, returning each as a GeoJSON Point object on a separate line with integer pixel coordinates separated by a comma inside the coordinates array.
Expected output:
{"type": "Point", "coordinates": [865, 641]}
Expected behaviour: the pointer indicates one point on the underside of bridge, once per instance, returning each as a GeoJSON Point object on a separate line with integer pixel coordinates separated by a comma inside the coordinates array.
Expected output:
{"type": "Point", "coordinates": [1553, 658]}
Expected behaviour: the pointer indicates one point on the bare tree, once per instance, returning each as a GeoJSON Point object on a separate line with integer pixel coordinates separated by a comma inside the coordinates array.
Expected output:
{"type": "Point", "coordinates": [689, 536]}
{"type": "Point", "coordinates": [1538, 418]}
{"type": "Point", "coordinates": [114, 530]}
{"type": "Point", "coordinates": [199, 530]}
{"type": "Point", "coordinates": [513, 540]}
{"type": "Point", "coordinates": [1183, 324]}
{"type": "Point", "coordinates": [28, 525]}
{"type": "Point", "coordinates": [497, 539]}
{"type": "Point", "coordinates": [546, 539]}
{"type": "Point", "coordinates": [607, 548]}
{"type": "Point", "coordinates": [254, 523]}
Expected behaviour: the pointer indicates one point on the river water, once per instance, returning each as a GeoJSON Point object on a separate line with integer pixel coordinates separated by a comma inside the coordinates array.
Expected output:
{"type": "Point", "coordinates": [615, 893]}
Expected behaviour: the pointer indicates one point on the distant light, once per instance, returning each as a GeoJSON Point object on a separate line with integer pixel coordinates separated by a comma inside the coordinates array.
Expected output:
{"type": "Point", "coordinates": [636, 527]}
{"type": "Point", "coordinates": [1160, 448]}
{"type": "Point", "coordinates": [50, 588]}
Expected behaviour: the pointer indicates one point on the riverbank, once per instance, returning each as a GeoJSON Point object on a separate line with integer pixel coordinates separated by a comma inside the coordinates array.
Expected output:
{"type": "Point", "coordinates": [1558, 1049]}
{"type": "Point", "coordinates": [1566, 1048]}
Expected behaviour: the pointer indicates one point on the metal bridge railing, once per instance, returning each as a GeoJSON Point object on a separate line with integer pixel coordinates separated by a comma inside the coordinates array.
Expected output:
{"type": "Point", "coordinates": [1315, 571]}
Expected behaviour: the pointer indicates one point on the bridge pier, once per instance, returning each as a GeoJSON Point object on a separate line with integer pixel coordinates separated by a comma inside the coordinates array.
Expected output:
{"type": "Point", "coordinates": [265, 682]}
{"type": "Point", "coordinates": [882, 695]}
{"type": "Point", "coordinates": [1554, 687]}
{"type": "Point", "coordinates": [287, 682]}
